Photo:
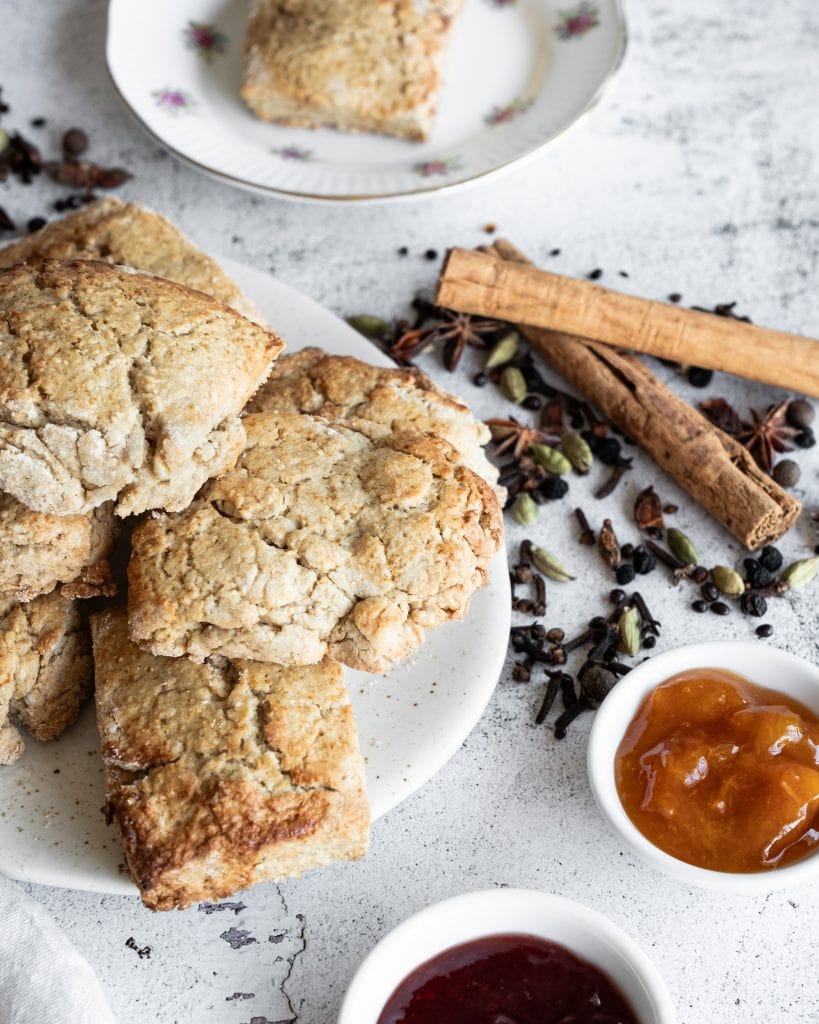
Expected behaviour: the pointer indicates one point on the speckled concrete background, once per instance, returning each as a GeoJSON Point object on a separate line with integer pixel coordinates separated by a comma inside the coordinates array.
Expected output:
{"type": "Point", "coordinates": [698, 173]}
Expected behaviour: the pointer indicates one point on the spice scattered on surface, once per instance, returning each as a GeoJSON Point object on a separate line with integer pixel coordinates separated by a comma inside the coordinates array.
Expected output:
{"type": "Point", "coordinates": [143, 952]}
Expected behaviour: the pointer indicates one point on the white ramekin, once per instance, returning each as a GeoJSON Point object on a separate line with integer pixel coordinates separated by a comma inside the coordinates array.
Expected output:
{"type": "Point", "coordinates": [498, 911]}
{"type": "Point", "coordinates": [762, 665]}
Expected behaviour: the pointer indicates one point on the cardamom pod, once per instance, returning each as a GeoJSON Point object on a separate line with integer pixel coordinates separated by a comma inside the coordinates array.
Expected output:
{"type": "Point", "coordinates": [550, 458]}
{"type": "Point", "coordinates": [630, 632]}
{"type": "Point", "coordinates": [799, 574]}
{"type": "Point", "coordinates": [682, 547]}
{"type": "Point", "coordinates": [513, 384]}
{"type": "Point", "coordinates": [524, 509]}
{"type": "Point", "coordinates": [546, 563]}
{"type": "Point", "coordinates": [727, 581]}
{"type": "Point", "coordinates": [503, 350]}
{"type": "Point", "coordinates": [577, 451]}
{"type": "Point", "coordinates": [369, 326]}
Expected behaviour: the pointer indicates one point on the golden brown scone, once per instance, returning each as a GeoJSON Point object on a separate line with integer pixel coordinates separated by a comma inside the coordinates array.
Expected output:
{"type": "Point", "coordinates": [45, 669]}
{"type": "Point", "coordinates": [374, 400]}
{"type": "Point", "coordinates": [41, 551]}
{"type": "Point", "coordinates": [356, 65]}
{"type": "Point", "coordinates": [130, 235]}
{"type": "Point", "coordinates": [319, 543]}
{"type": "Point", "coordinates": [115, 385]}
{"type": "Point", "coordinates": [225, 774]}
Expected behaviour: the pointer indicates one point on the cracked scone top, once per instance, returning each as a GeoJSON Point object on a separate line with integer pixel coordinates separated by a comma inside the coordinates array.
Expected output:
{"type": "Point", "coordinates": [320, 542]}
{"type": "Point", "coordinates": [224, 774]}
{"type": "Point", "coordinates": [116, 385]}
{"type": "Point", "coordinates": [374, 400]}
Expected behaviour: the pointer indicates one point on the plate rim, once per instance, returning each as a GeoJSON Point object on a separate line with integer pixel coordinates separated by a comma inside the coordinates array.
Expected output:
{"type": "Point", "coordinates": [376, 198]}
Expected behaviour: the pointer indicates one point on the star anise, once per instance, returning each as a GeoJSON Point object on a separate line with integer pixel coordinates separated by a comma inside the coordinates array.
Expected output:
{"type": "Point", "coordinates": [451, 329]}
{"type": "Point", "coordinates": [509, 434]}
{"type": "Point", "coordinates": [767, 434]}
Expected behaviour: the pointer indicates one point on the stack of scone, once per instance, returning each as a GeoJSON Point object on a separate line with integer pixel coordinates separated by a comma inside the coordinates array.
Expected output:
{"type": "Point", "coordinates": [347, 511]}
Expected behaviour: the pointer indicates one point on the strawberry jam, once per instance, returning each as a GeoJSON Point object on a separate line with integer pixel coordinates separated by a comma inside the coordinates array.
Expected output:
{"type": "Point", "coordinates": [507, 979]}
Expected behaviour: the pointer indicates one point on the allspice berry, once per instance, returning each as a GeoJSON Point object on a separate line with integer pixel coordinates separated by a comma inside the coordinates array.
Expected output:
{"type": "Point", "coordinates": [787, 473]}
{"type": "Point", "coordinates": [75, 141]}
{"type": "Point", "coordinates": [800, 413]}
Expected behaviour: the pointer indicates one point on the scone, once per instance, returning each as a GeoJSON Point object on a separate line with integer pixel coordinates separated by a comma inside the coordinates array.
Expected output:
{"type": "Point", "coordinates": [319, 543]}
{"type": "Point", "coordinates": [133, 236]}
{"type": "Point", "coordinates": [356, 65]}
{"type": "Point", "coordinates": [42, 551]}
{"type": "Point", "coordinates": [375, 401]}
{"type": "Point", "coordinates": [225, 774]}
{"type": "Point", "coordinates": [45, 669]}
{"type": "Point", "coordinates": [116, 385]}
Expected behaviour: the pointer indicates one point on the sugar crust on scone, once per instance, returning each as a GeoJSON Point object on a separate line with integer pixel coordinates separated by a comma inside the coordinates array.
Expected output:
{"type": "Point", "coordinates": [129, 234]}
{"type": "Point", "coordinates": [319, 543]}
{"type": "Point", "coordinates": [41, 551]}
{"type": "Point", "coordinates": [45, 669]}
{"type": "Point", "coordinates": [356, 65]}
{"type": "Point", "coordinates": [374, 400]}
{"type": "Point", "coordinates": [117, 385]}
{"type": "Point", "coordinates": [220, 775]}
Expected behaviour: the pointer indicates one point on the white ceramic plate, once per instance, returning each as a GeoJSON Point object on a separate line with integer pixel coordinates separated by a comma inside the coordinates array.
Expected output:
{"type": "Point", "coordinates": [519, 73]}
{"type": "Point", "coordinates": [410, 721]}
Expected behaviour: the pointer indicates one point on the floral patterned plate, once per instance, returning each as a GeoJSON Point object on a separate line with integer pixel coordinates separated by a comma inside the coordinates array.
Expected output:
{"type": "Point", "coordinates": [519, 73]}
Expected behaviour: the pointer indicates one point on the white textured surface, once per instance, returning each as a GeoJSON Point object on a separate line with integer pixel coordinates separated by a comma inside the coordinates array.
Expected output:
{"type": "Point", "coordinates": [698, 173]}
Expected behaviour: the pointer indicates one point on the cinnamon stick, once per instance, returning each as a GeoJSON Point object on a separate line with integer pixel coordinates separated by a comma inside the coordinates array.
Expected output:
{"type": "Point", "coordinates": [715, 469]}
{"type": "Point", "coordinates": [474, 282]}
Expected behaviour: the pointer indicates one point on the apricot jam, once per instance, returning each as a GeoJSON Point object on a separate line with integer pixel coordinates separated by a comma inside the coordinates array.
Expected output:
{"type": "Point", "coordinates": [721, 773]}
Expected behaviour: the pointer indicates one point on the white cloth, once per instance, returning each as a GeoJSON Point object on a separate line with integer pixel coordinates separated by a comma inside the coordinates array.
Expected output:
{"type": "Point", "coordinates": [42, 976]}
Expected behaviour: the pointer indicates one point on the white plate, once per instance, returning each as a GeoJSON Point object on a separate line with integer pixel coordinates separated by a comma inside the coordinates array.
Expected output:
{"type": "Point", "coordinates": [519, 73]}
{"type": "Point", "coordinates": [410, 721]}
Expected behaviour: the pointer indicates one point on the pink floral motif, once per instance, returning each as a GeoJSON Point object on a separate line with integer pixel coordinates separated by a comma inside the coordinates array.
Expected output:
{"type": "Point", "coordinates": [173, 100]}
{"type": "Point", "coordinates": [293, 153]}
{"type": "Point", "coordinates": [429, 168]}
{"type": "Point", "coordinates": [501, 115]}
{"type": "Point", "coordinates": [579, 21]}
{"type": "Point", "coordinates": [205, 38]}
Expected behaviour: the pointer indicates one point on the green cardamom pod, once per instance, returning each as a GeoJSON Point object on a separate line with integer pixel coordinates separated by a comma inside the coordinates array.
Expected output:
{"type": "Point", "coordinates": [546, 563]}
{"type": "Point", "coordinates": [681, 547]}
{"type": "Point", "coordinates": [513, 384]}
{"type": "Point", "coordinates": [551, 459]}
{"type": "Point", "coordinates": [727, 581]}
{"type": "Point", "coordinates": [630, 632]}
{"type": "Point", "coordinates": [801, 573]}
{"type": "Point", "coordinates": [4, 139]}
{"type": "Point", "coordinates": [503, 350]}
{"type": "Point", "coordinates": [577, 451]}
{"type": "Point", "coordinates": [369, 326]}
{"type": "Point", "coordinates": [524, 509]}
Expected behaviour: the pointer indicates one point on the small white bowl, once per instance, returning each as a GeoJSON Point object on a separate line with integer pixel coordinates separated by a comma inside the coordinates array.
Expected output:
{"type": "Point", "coordinates": [506, 911]}
{"type": "Point", "coordinates": [762, 665]}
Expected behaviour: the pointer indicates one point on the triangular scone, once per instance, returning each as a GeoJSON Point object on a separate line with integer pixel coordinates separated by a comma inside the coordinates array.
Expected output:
{"type": "Point", "coordinates": [134, 236]}
{"type": "Point", "coordinates": [374, 400]}
{"type": "Point", "coordinates": [319, 543]}
{"type": "Point", "coordinates": [356, 65]}
{"type": "Point", "coordinates": [45, 669]}
{"type": "Point", "coordinates": [225, 774]}
{"type": "Point", "coordinates": [42, 551]}
{"type": "Point", "coordinates": [117, 385]}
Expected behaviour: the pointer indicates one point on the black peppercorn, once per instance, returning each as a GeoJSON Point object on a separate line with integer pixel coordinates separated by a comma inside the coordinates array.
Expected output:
{"type": "Point", "coordinates": [699, 574]}
{"type": "Point", "coordinates": [771, 558]}
{"type": "Point", "coordinates": [649, 641]}
{"type": "Point", "coordinates": [608, 451]}
{"type": "Point", "coordinates": [644, 562]}
{"type": "Point", "coordinates": [699, 377]}
{"type": "Point", "coordinates": [595, 274]}
{"type": "Point", "coordinates": [800, 413]}
{"type": "Point", "coordinates": [627, 550]}
{"type": "Point", "coordinates": [675, 297]}
{"type": "Point", "coordinates": [532, 402]}
{"type": "Point", "coordinates": [592, 440]}
{"type": "Point", "coordinates": [403, 251]}
{"type": "Point", "coordinates": [699, 606]}
{"type": "Point", "coordinates": [480, 380]}
{"type": "Point", "coordinates": [624, 573]}
{"type": "Point", "coordinates": [616, 596]}
{"type": "Point", "coordinates": [787, 473]}
{"type": "Point", "coordinates": [753, 604]}
{"type": "Point", "coordinates": [36, 223]}
{"type": "Point", "coordinates": [759, 578]}
{"type": "Point", "coordinates": [766, 629]}
{"type": "Point", "coordinates": [709, 592]}
{"type": "Point", "coordinates": [431, 254]}
{"type": "Point", "coordinates": [553, 488]}
{"type": "Point", "coordinates": [720, 608]}
{"type": "Point", "coordinates": [805, 438]}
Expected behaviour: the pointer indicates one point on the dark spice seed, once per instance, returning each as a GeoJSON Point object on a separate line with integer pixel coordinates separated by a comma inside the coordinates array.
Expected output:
{"type": "Point", "coordinates": [403, 251]}
{"type": "Point", "coordinates": [35, 224]}
{"type": "Point", "coordinates": [700, 574]}
{"type": "Point", "coordinates": [771, 558]}
{"type": "Point", "coordinates": [699, 606]}
{"type": "Point", "coordinates": [75, 141]}
{"type": "Point", "coordinates": [608, 451]}
{"type": "Point", "coordinates": [699, 377]}
{"type": "Point", "coordinates": [720, 608]}
{"type": "Point", "coordinates": [555, 252]}
{"type": "Point", "coordinates": [38, 122]}
{"type": "Point", "coordinates": [753, 604]}
{"type": "Point", "coordinates": [800, 413]}
{"type": "Point", "coordinates": [624, 573]}
{"type": "Point", "coordinates": [431, 254]}
{"type": "Point", "coordinates": [520, 673]}
{"type": "Point", "coordinates": [649, 642]}
{"type": "Point", "coordinates": [787, 473]}
{"type": "Point", "coordinates": [805, 438]}
{"type": "Point", "coordinates": [553, 488]}
{"type": "Point", "coordinates": [622, 273]}
{"type": "Point", "coordinates": [766, 629]}
{"type": "Point", "coordinates": [597, 622]}
{"type": "Point", "coordinates": [616, 596]}
{"type": "Point", "coordinates": [595, 274]}
{"type": "Point", "coordinates": [709, 592]}
{"type": "Point", "coordinates": [675, 297]}
{"type": "Point", "coordinates": [759, 578]}
{"type": "Point", "coordinates": [532, 402]}
{"type": "Point", "coordinates": [749, 564]}
{"type": "Point", "coordinates": [644, 562]}
{"type": "Point", "coordinates": [627, 550]}
{"type": "Point", "coordinates": [480, 380]}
